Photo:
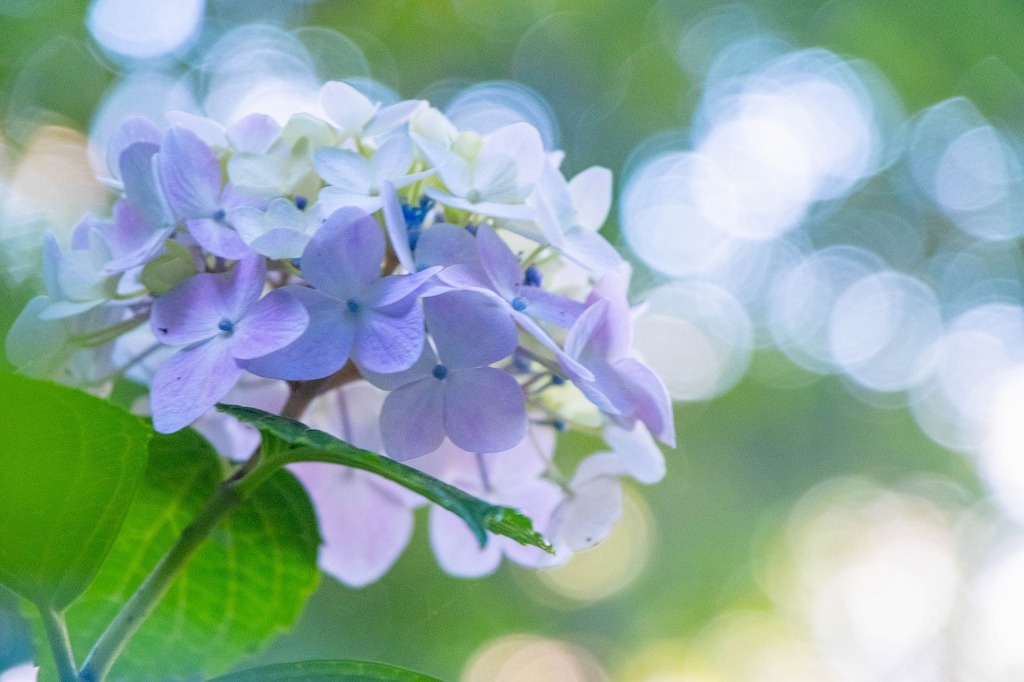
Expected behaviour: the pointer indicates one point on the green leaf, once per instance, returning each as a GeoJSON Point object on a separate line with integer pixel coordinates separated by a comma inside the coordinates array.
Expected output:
{"type": "Point", "coordinates": [70, 464]}
{"type": "Point", "coordinates": [310, 445]}
{"type": "Point", "coordinates": [246, 583]}
{"type": "Point", "coordinates": [326, 671]}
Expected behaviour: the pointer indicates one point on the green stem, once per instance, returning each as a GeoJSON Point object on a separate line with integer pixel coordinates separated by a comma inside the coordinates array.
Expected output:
{"type": "Point", "coordinates": [60, 643]}
{"type": "Point", "coordinates": [229, 495]}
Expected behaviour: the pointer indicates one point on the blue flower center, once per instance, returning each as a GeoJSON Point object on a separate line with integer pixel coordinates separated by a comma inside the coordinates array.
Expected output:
{"type": "Point", "coordinates": [226, 326]}
{"type": "Point", "coordinates": [353, 305]}
{"type": "Point", "coordinates": [532, 277]}
{"type": "Point", "coordinates": [519, 304]}
{"type": "Point", "coordinates": [473, 196]}
{"type": "Point", "coordinates": [440, 371]}
{"type": "Point", "coordinates": [415, 215]}
{"type": "Point", "coordinates": [557, 380]}
{"type": "Point", "coordinates": [219, 214]}
{"type": "Point", "coordinates": [301, 202]}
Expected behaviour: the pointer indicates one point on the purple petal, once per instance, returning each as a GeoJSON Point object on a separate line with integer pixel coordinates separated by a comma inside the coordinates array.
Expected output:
{"type": "Point", "coordinates": [640, 455]}
{"type": "Point", "coordinates": [500, 264]}
{"type": "Point", "coordinates": [536, 331]}
{"type": "Point", "coordinates": [649, 397]}
{"type": "Point", "coordinates": [190, 382]}
{"type": "Point", "coordinates": [446, 244]}
{"type": "Point", "coordinates": [322, 349]}
{"type": "Point", "coordinates": [218, 238]}
{"type": "Point", "coordinates": [420, 369]}
{"type": "Point", "coordinates": [457, 550]}
{"type": "Point", "coordinates": [190, 175]}
{"type": "Point", "coordinates": [274, 322]}
{"type": "Point", "coordinates": [345, 254]}
{"type": "Point", "coordinates": [470, 329]}
{"type": "Point", "coordinates": [389, 343]}
{"type": "Point", "coordinates": [550, 307]}
{"type": "Point", "coordinates": [397, 228]}
{"type": "Point", "coordinates": [395, 289]}
{"type": "Point", "coordinates": [364, 531]}
{"type": "Point", "coordinates": [411, 419]}
{"type": "Point", "coordinates": [484, 409]}
{"type": "Point", "coordinates": [585, 327]}
{"type": "Point", "coordinates": [241, 288]}
{"type": "Point", "coordinates": [189, 312]}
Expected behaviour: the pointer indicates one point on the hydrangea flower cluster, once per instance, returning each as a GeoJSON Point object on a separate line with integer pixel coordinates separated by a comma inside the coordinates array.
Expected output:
{"type": "Point", "coordinates": [446, 292]}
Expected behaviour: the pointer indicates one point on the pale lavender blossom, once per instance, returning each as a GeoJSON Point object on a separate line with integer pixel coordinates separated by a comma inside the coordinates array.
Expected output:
{"type": "Point", "coordinates": [220, 320]}
{"type": "Point", "coordinates": [355, 115]}
{"type": "Point", "coordinates": [353, 310]}
{"type": "Point", "coordinates": [365, 521]}
{"type": "Point", "coordinates": [512, 478]}
{"type": "Point", "coordinates": [355, 180]}
{"type": "Point", "coordinates": [282, 231]}
{"type": "Point", "coordinates": [622, 386]}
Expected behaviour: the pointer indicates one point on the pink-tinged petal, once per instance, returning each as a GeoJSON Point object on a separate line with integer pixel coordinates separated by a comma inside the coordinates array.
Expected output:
{"type": "Point", "coordinates": [411, 419]}
{"type": "Point", "coordinates": [136, 165]}
{"type": "Point", "coordinates": [218, 238]}
{"type": "Point", "coordinates": [190, 174]}
{"type": "Point", "coordinates": [190, 312]}
{"type": "Point", "coordinates": [242, 287]}
{"type": "Point", "coordinates": [397, 228]}
{"type": "Point", "coordinates": [457, 550]}
{"type": "Point", "coordinates": [133, 129]}
{"type": "Point", "coordinates": [500, 264]}
{"type": "Point", "coordinates": [649, 397]}
{"type": "Point", "coordinates": [470, 329]}
{"type": "Point", "coordinates": [613, 337]}
{"type": "Point", "coordinates": [592, 196]}
{"type": "Point", "coordinates": [387, 343]}
{"type": "Point", "coordinates": [190, 382]}
{"type": "Point", "coordinates": [345, 254]}
{"type": "Point", "coordinates": [446, 244]}
{"type": "Point", "coordinates": [585, 327]}
{"type": "Point", "coordinates": [640, 456]}
{"type": "Point", "coordinates": [569, 363]}
{"type": "Point", "coordinates": [274, 322]}
{"type": "Point", "coordinates": [364, 531]}
{"type": "Point", "coordinates": [322, 349]}
{"type": "Point", "coordinates": [484, 409]}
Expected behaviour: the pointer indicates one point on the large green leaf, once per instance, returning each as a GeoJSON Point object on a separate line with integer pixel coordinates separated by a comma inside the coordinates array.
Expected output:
{"type": "Point", "coordinates": [247, 582]}
{"type": "Point", "coordinates": [326, 671]}
{"type": "Point", "coordinates": [309, 445]}
{"type": "Point", "coordinates": [70, 464]}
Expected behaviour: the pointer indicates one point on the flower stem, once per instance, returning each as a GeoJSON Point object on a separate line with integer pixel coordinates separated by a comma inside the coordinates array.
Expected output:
{"type": "Point", "coordinates": [113, 640]}
{"type": "Point", "coordinates": [60, 644]}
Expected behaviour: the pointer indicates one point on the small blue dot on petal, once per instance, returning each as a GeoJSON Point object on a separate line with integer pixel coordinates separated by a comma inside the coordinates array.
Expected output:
{"type": "Point", "coordinates": [440, 372]}
{"type": "Point", "coordinates": [226, 326]}
{"type": "Point", "coordinates": [353, 305]}
{"type": "Point", "coordinates": [301, 202]}
{"type": "Point", "coordinates": [219, 214]}
{"type": "Point", "coordinates": [519, 304]}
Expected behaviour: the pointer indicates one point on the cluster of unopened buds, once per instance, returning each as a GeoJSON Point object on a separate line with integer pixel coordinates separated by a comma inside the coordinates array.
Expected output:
{"type": "Point", "coordinates": [436, 295]}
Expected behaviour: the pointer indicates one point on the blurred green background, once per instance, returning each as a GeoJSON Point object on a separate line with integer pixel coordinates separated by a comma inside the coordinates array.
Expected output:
{"type": "Point", "coordinates": [692, 586]}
